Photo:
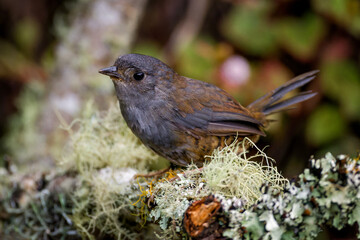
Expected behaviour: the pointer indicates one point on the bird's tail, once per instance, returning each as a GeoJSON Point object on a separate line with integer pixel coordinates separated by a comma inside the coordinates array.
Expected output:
{"type": "Point", "coordinates": [273, 101]}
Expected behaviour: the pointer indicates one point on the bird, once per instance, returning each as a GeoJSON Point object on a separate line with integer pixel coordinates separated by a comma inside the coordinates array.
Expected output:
{"type": "Point", "coordinates": [184, 120]}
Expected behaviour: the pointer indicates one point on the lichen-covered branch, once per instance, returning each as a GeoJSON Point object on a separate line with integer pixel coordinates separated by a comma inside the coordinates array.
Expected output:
{"type": "Point", "coordinates": [326, 193]}
{"type": "Point", "coordinates": [93, 194]}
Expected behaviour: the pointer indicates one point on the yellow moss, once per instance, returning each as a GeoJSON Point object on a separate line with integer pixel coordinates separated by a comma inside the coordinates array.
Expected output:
{"type": "Point", "coordinates": [236, 175]}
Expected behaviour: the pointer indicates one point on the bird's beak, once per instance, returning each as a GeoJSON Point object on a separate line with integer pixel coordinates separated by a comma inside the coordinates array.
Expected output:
{"type": "Point", "coordinates": [110, 71]}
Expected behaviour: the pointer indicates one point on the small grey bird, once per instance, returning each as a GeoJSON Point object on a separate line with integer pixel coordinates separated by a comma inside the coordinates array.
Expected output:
{"type": "Point", "coordinates": [183, 119]}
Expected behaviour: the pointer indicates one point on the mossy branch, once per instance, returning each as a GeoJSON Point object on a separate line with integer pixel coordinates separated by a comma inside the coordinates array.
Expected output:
{"type": "Point", "coordinates": [251, 200]}
{"type": "Point", "coordinates": [326, 193]}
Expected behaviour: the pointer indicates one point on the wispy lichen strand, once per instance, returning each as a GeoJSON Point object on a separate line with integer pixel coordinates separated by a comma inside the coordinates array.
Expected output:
{"type": "Point", "coordinates": [101, 140]}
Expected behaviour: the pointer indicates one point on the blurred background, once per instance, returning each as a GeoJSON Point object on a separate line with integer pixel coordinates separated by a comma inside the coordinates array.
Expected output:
{"type": "Point", "coordinates": [51, 51]}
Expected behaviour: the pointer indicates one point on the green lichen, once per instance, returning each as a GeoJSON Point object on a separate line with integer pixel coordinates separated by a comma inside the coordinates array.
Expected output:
{"type": "Point", "coordinates": [326, 193]}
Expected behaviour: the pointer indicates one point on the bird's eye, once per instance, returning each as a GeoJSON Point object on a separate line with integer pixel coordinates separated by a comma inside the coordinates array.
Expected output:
{"type": "Point", "coordinates": [138, 76]}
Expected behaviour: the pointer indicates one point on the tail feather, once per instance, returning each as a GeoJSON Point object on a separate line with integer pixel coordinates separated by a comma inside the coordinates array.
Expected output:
{"type": "Point", "coordinates": [286, 104]}
{"type": "Point", "coordinates": [272, 102]}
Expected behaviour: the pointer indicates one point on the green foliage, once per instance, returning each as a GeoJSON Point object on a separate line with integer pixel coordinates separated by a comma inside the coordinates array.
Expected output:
{"type": "Point", "coordinates": [325, 125]}
{"type": "Point", "coordinates": [344, 12]}
{"type": "Point", "coordinates": [199, 53]}
{"type": "Point", "coordinates": [341, 81]}
{"type": "Point", "coordinates": [248, 27]}
{"type": "Point", "coordinates": [301, 37]}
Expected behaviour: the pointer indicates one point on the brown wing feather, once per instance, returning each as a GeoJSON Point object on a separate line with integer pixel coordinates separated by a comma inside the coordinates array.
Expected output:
{"type": "Point", "coordinates": [233, 128]}
{"type": "Point", "coordinates": [207, 109]}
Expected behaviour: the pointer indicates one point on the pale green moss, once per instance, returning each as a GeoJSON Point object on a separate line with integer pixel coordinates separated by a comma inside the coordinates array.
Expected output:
{"type": "Point", "coordinates": [104, 140]}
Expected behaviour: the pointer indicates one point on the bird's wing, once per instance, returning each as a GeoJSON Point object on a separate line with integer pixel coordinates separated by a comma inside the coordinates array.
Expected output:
{"type": "Point", "coordinates": [206, 109]}
{"type": "Point", "coordinates": [219, 123]}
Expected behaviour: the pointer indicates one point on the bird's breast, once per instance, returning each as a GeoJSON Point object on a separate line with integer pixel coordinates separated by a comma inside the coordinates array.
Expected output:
{"type": "Point", "coordinates": [148, 125]}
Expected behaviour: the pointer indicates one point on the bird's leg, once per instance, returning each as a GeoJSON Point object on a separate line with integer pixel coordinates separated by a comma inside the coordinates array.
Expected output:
{"type": "Point", "coordinates": [153, 174]}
